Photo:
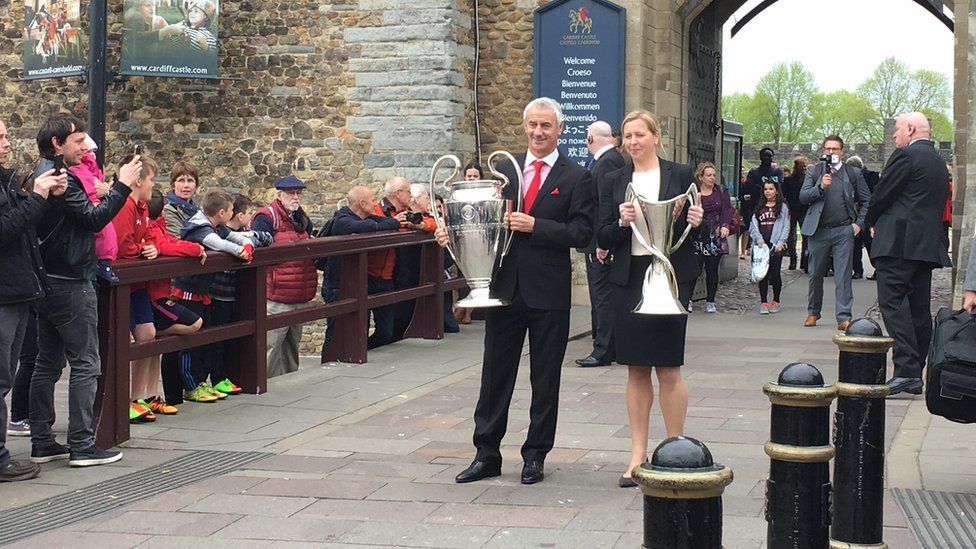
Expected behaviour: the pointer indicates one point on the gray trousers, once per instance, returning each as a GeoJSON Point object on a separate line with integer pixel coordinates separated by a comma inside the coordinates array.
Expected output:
{"type": "Point", "coordinates": [13, 325]}
{"type": "Point", "coordinates": [838, 241]}
{"type": "Point", "coordinates": [67, 327]}
{"type": "Point", "coordinates": [283, 342]}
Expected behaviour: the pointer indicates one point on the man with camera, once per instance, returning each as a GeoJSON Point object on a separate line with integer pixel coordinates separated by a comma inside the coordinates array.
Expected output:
{"type": "Point", "coordinates": [909, 242]}
{"type": "Point", "coordinates": [832, 191]}
{"type": "Point", "coordinates": [67, 316]}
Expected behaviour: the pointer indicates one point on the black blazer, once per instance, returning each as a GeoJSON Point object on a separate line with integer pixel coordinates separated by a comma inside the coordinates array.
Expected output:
{"type": "Point", "coordinates": [675, 180]}
{"type": "Point", "coordinates": [906, 208]}
{"type": "Point", "coordinates": [538, 263]}
{"type": "Point", "coordinates": [609, 162]}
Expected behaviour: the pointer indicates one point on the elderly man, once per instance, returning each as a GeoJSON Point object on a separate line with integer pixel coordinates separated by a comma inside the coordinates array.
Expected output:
{"type": "Point", "coordinates": [837, 198]}
{"type": "Point", "coordinates": [606, 158]}
{"type": "Point", "coordinates": [291, 284]}
{"type": "Point", "coordinates": [535, 278]}
{"type": "Point", "coordinates": [407, 271]}
{"type": "Point", "coordinates": [380, 264]}
{"type": "Point", "coordinates": [909, 241]}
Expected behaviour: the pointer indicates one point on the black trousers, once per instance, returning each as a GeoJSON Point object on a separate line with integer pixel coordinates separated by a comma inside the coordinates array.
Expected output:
{"type": "Point", "coordinates": [221, 312]}
{"type": "Point", "coordinates": [905, 298]}
{"type": "Point", "coordinates": [861, 242]}
{"type": "Point", "coordinates": [774, 276]}
{"type": "Point", "coordinates": [505, 330]}
{"type": "Point", "coordinates": [601, 309]}
{"type": "Point", "coordinates": [20, 393]}
{"type": "Point", "coordinates": [185, 369]}
{"type": "Point", "coordinates": [711, 264]}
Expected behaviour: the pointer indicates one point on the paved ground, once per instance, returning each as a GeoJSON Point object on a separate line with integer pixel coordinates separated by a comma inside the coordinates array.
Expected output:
{"type": "Point", "coordinates": [364, 456]}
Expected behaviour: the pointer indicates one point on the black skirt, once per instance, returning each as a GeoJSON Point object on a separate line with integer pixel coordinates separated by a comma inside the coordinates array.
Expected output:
{"type": "Point", "coordinates": [645, 340]}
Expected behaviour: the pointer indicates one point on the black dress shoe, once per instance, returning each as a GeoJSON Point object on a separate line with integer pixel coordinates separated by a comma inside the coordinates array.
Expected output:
{"type": "Point", "coordinates": [857, 276]}
{"type": "Point", "coordinates": [871, 277]}
{"type": "Point", "coordinates": [591, 361]}
{"type": "Point", "coordinates": [626, 482]}
{"type": "Point", "coordinates": [910, 385]}
{"type": "Point", "coordinates": [478, 470]}
{"type": "Point", "coordinates": [532, 472]}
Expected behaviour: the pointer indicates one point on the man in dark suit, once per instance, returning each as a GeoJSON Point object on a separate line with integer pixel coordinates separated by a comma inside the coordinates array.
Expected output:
{"type": "Point", "coordinates": [606, 158]}
{"type": "Point", "coordinates": [535, 278]}
{"type": "Point", "coordinates": [909, 241]}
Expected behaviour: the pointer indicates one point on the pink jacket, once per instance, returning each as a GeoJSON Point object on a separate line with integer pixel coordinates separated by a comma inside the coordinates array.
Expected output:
{"type": "Point", "coordinates": [106, 240]}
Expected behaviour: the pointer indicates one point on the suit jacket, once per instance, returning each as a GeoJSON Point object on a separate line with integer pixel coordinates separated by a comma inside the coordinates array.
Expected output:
{"type": "Point", "coordinates": [538, 263]}
{"type": "Point", "coordinates": [906, 209]}
{"type": "Point", "coordinates": [609, 161]}
{"type": "Point", "coordinates": [675, 180]}
{"type": "Point", "coordinates": [856, 197]}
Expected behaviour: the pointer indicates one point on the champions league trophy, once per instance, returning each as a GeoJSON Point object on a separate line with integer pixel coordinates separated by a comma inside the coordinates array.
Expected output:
{"type": "Point", "coordinates": [654, 229]}
{"type": "Point", "coordinates": [477, 236]}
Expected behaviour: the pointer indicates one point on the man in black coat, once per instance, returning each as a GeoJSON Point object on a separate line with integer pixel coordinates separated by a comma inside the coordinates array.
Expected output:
{"type": "Point", "coordinates": [906, 218]}
{"type": "Point", "coordinates": [750, 193]}
{"type": "Point", "coordinates": [606, 159]}
{"type": "Point", "coordinates": [22, 281]}
{"type": "Point", "coordinates": [536, 279]}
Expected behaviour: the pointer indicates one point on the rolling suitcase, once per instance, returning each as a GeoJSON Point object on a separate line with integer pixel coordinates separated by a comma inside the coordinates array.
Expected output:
{"type": "Point", "coordinates": [950, 388]}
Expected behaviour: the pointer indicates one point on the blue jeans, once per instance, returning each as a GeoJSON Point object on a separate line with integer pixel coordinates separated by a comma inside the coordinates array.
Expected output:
{"type": "Point", "coordinates": [67, 324]}
{"type": "Point", "coordinates": [383, 317]}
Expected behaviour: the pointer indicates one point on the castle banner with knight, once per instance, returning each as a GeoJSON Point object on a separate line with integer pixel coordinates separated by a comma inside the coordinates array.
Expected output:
{"type": "Point", "coordinates": [53, 41]}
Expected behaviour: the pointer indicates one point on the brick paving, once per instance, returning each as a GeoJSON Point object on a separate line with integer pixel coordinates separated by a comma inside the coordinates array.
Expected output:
{"type": "Point", "coordinates": [364, 456]}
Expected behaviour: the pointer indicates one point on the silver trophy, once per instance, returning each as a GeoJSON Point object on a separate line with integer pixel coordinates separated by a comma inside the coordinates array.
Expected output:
{"type": "Point", "coordinates": [654, 230]}
{"type": "Point", "coordinates": [477, 236]}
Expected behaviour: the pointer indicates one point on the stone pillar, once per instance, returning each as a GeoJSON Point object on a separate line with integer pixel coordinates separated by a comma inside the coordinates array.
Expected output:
{"type": "Point", "coordinates": [964, 101]}
{"type": "Point", "coordinates": [889, 142]}
{"type": "Point", "coordinates": [411, 87]}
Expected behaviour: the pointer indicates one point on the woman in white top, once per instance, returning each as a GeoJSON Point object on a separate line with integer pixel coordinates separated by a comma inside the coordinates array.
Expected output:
{"type": "Point", "coordinates": [647, 342]}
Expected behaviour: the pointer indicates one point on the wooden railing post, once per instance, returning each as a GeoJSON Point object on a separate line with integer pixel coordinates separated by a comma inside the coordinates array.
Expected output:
{"type": "Point", "coordinates": [349, 333]}
{"type": "Point", "coordinates": [247, 358]}
{"type": "Point", "coordinates": [428, 312]}
{"type": "Point", "coordinates": [111, 414]}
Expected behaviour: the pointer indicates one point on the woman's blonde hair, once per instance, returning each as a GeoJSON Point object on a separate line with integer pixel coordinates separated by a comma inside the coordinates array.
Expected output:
{"type": "Point", "coordinates": [700, 170]}
{"type": "Point", "coordinates": [646, 116]}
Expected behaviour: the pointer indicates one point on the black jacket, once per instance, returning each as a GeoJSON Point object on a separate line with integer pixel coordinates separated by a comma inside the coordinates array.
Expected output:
{"type": "Point", "coordinates": [906, 209]}
{"type": "Point", "coordinates": [22, 275]}
{"type": "Point", "coordinates": [67, 231]}
{"type": "Point", "coordinates": [538, 263]}
{"type": "Point", "coordinates": [345, 221]}
{"type": "Point", "coordinates": [675, 180]}
{"type": "Point", "coordinates": [609, 162]}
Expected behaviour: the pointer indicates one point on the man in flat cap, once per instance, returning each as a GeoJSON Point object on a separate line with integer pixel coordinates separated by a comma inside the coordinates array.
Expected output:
{"type": "Point", "coordinates": [291, 284]}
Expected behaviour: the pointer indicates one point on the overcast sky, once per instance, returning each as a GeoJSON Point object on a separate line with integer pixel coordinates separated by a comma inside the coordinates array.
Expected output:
{"type": "Point", "coordinates": [865, 32]}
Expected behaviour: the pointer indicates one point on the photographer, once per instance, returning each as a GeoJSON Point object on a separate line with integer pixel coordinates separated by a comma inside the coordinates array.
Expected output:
{"type": "Point", "coordinates": [407, 271]}
{"type": "Point", "coordinates": [380, 264]}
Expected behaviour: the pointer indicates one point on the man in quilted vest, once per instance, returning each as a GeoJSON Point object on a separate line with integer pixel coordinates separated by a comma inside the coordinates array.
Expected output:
{"type": "Point", "coordinates": [291, 284]}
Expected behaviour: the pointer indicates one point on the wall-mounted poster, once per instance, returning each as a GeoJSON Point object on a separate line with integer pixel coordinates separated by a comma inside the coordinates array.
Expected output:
{"type": "Point", "coordinates": [170, 38]}
{"type": "Point", "coordinates": [53, 41]}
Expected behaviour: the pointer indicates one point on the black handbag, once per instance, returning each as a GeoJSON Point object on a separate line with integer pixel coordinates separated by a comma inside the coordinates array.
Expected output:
{"type": "Point", "coordinates": [950, 388]}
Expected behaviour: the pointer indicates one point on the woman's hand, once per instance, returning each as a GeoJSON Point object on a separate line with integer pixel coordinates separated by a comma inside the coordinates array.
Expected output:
{"type": "Point", "coordinates": [441, 236]}
{"type": "Point", "coordinates": [695, 215]}
{"type": "Point", "coordinates": [628, 214]}
{"type": "Point", "coordinates": [723, 232]}
{"type": "Point", "coordinates": [778, 248]}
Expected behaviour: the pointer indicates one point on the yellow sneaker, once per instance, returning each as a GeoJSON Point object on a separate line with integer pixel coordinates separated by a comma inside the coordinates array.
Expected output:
{"type": "Point", "coordinates": [159, 406]}
{"type": "Point", "coordinates": [214, 392]}
{"type": "Point", "coordinates": [199, 394]}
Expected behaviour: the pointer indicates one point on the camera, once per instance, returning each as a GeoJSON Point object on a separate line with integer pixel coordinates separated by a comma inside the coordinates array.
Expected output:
{"type": "Point", "coordinates": [137, 150]}
{"type": "Point", "coordinates": [830, 159]}
{"type": "Point", "coordinates": [415, 217]}
{"type": "Point", "coordinates": [58, 164]}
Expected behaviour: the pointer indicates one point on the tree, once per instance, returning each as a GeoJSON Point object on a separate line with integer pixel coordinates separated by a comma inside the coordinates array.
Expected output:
{"type": "Point", "coordinates": [941, 125]}
{"type": "Point", "coordinates": [893, 88]}
{"type": "Point", "coordinates": [783, 97]}
{"type": "Point", "coordinates": [847, 114]}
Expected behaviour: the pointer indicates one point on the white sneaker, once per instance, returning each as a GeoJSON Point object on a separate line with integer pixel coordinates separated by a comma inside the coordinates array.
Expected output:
{"type": "Point", "coordinates": [691, 307]}
{"type": "Point", "coordinates": [710, 307]}
{"type": "Point", "coordinates": [18, 429]}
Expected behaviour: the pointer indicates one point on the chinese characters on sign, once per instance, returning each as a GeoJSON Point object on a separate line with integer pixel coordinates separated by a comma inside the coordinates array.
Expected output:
{"type": "Point", "coordinates": [579, 62]}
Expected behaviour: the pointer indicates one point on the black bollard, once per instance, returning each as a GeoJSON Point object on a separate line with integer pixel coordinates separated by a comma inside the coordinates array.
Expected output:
{"type": "Point", "coordinates": [682, 489]}
{"type": "Point", "coordinates": [859, 425]}
{"type": "Point", "coordinates": [799, 450]}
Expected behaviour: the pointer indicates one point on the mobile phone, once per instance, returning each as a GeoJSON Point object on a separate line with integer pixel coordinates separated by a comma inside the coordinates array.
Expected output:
{"type": "Point", "coordinates": [58, 164]}
{"type": "Point", "coordinates": [137, 150]}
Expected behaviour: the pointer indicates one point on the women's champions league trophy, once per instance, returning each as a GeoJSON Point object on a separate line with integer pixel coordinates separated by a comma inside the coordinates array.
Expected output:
{"type": "Point", "coordinates": [654, 229]}
{"type": "Point", "coordinates": [475, 221]}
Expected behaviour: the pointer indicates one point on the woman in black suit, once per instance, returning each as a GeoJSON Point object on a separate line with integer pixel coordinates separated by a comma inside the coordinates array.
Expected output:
{"type": "Point", "coordinates": [647, 342]}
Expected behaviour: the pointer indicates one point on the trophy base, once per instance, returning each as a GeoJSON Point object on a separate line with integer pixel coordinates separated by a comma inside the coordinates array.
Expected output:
{"type": "Point", "coordinates": [479, 299]}
{"type": "Point", "coordinates": [659, 310]}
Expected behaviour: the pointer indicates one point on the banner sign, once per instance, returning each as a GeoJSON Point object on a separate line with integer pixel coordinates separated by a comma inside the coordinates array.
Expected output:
{"type": "Point", "coordinates": [170, 38]}
{"type": "Point", "coordinates": [53, 41]}
{"type": "Point", "coordinates": [580, 62]}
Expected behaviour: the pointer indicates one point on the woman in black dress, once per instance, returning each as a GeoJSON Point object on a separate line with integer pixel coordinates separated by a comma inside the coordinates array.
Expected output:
{"type": "Point", "coordinates": [647, 342]}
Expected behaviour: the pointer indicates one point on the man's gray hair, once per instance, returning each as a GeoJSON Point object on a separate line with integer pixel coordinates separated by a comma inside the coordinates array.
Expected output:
{"type": "Point", "coordinates": [545, 103]}
{"type": "Point", "coordinates": [392, 184]}
{"type": "Point", "coordinates": [417, 190]}
{"type": "Point", "coordinates": [855, 162]}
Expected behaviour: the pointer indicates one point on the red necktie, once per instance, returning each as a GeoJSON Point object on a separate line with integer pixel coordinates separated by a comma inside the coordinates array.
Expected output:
{"type": "Point", "coordinates": [533, 189]}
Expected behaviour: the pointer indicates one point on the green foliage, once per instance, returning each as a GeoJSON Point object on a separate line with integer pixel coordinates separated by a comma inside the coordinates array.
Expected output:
{"type": "Point", "coordinates": [787, 106]}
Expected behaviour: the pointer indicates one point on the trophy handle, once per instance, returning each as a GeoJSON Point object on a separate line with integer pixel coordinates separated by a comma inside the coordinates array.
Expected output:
{"type": "Point", "coordinates": [630, 195]}
{"type": "Point", "coordinates": [693, 198]}
{"type": "Point", "coordinates": [446, 184]}
{"type": "Point", "coordinates": [509, 234]}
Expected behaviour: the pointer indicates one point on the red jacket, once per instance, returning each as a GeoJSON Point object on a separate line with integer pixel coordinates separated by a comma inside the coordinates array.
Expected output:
{"type": "Point", "coordinates": [132, 228]}
{"type": "Point", "coordinates": [380, 264]}
{"type": "Point", "coordinates": [291, 281]}
{"type": "Point", "coordinates": [169, 246]}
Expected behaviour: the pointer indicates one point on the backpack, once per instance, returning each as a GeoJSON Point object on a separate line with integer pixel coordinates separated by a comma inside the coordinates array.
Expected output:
{"type": "Point", "coordinates": [950, 385]}
{"type": "Point", "coordinates": [322, 263]}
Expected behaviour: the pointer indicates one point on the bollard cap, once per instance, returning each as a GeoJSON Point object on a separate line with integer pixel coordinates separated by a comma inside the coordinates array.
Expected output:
{"type": "Point", "coordinates": [680, 454]}
{"type": "Point", "coordinates": [864, 327]}
{"type": "Point", "coordinates": [800, 374]}
{"type": "Point", "coordinates": [865, 336]}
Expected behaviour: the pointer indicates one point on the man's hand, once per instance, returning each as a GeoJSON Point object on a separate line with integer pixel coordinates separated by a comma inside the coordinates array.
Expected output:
{"type": "Point", "coordinates": [825, 182]}
{"type": "Point", "coordinates": [872, 232]}
{"type": "Point", "coordinates": [48, 183]}
{"type": "Point", "coordinates": [628, 213]}
{"type": "Point", "coordinates": [401, 217]}
{"type": "Point", "coordinates": [521, 222]}
{"type": "Point", "coordinates": [857, 229]}
{"type": "Point", "coordinates": [695, 215]}
{"type": "Point", "coordinates": [969, 301]}
{"type": "Point", "coordinates": [102, 188]}
{"type": "Point", "coordinates": [601, 255]}
{"type": "Point", "coordinates": [203, 255]}
{"type": "Point", "coordinates": [149, 252]}
{"type": "Point", "coordinates": [723, 232]}
{"type": "Point", "coordinates": [440, 235]}
{"type": "Point", "coordinates": [129, 173]}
